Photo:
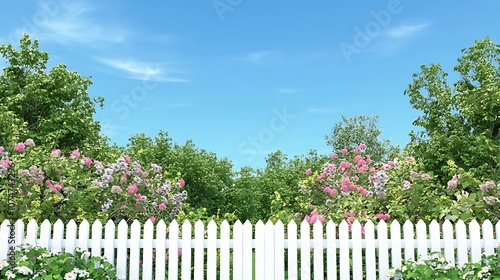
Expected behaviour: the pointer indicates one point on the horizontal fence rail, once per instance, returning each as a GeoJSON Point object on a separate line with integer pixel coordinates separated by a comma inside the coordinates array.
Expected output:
{"type": "Point", "coordinates": [260, 251]}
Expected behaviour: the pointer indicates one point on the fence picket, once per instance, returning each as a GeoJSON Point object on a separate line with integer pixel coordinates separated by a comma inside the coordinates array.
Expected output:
{"type": "Point", "coordinates": [292, 250]}
{"type": "Point", "coordinates": [270, 244]}
{"type": "Point", "coordinates": [109, 240]}
{"type": "Point", "coordinates": [344, 251]}
{"type": "Point", "coordinates": [279, 251]}
{"type": "Point", "coordinates": [489, 244]}
{"type": "Point", "coordinates": [224, 251]}
{"type": "Point", "coordinates": [475, 241]}
{"type": "Point", "coordinates": [96, 238]}
{"type": "Point", "coordinates": [371, 262]}
{"type": "Point", "coordinates": [421, 240]}
{"type": "Point", "coordinates": [173, 249]}
{"type": "Point", "coordinates": [408, 240]}
{"type": "Point", "coordinates": [383, 250]}
{"type": "Point", "coordinates": [269, 251]}
{"type": "Point", "coordinates": [199, 250]}
{"type": "Point", "coordinates": [395, 243]}
{"type": "Point", "coordinates": [71, 238]}
{"type": "Point", "coordinates": [449, 247]}
{"type": "Point", "coordinates": [331, 251]}
{"type": "Point", "coordinates": [247, 251]}
{"type": "Point", "coordinates": [121, 251]}
{"type": "Point", "coordinates": [318, 250]}
{"type": "Point", "coordinates": [147, 254]}
{"type": "Point", "coordinates": [305, 250]}
{"type": "Point", "coordinates": [237, 250]}
{"type": "Point", "coordinates": [212, 251]}
{"type": "Point", "coordinates": [357, 257]}
{"type": "Point", "coordinates": [161, 244]}
{"type": "Point", "coordinates": [186, 250]}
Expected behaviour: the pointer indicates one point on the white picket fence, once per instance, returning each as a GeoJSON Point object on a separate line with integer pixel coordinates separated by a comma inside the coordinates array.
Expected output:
{"type": "Point", "coordinates": [263, 251]}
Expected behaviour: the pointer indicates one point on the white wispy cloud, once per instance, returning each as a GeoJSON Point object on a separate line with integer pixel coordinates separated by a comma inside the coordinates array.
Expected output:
{"type": "Point", "coordinates": [143, 71]}
{"type": "Point", "coordinates": [323, 110]}
{"type": "Point", "coordinates": [287, 90]}
{"type": "Point", "coordinates": [404, 31]}
{"type": "Point", "coordinates": [258, 57]}
{"type": "Point", "coordinates": [72, 22]}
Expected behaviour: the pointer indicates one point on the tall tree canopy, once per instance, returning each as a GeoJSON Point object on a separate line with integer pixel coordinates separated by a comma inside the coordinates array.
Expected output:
{"type": "Point", "coordinates": [350, 132]}
{"type": "Point", "coordinates": [460, 122]}
{"type": "Point", "coordinates": [51, 107]}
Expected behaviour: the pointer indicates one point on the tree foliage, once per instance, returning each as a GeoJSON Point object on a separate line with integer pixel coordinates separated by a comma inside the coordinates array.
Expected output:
{"type": "Point", "coordinates": [460, 122]}
{"type": "Point", "coordinates": [350, 132]}
{"type": "Point", "coordinates": [51, 107]}
{"type": "Point", "coordinates": [205, 175]}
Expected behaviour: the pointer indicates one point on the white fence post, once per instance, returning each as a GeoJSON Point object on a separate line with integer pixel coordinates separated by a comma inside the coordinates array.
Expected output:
{"type": "Point", "coordinates": [265, 251]}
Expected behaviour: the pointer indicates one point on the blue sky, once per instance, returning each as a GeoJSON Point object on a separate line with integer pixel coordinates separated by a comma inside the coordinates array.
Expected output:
{"type": "Point", "coordinates": [244, 78]}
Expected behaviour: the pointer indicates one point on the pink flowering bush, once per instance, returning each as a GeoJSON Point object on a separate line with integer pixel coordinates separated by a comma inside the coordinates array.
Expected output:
{"type": "Point", "coordinates": [353, 187]}
{"type": "Point", "coordinates": [51, 185]}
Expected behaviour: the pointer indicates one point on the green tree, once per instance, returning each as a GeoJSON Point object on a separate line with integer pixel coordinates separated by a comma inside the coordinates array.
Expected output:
{"type": "Point", "coordinates": [350, 132]}
{"type": "Point", "coordinates": [459, 122]}
{"type": "Point", "coordinates": [205, 175]}
{"type": "Point", "coordinates": [54, 105]}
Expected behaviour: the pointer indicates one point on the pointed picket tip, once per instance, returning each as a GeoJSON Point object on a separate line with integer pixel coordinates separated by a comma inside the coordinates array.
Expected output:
{"type": "Point", "coordinates": [259, 223]}
{"type": "Point", "coordinates": [487, 222]}
{"type": "Point", "coordinates": [408, 223]}
{"type": "Point", "coordinates": [447, 223]}
{"type": "Point", "coordinates": [212, 224]}
{"type": "Point", "coordinates": [186, 224]}
{"type": "Point", "coordinates": [224, 223]}
{"type": "Point", "coordinates": [304, 223]}
{"type": "Point", "coordinates": [292, 223]}
{"type": "Point", "coordinates": [330, 223]}
{"type": "Point", "coordinates": [269, 223]}
{"type": "Point", "coordinates": [395, 223]}
{"type": "Point", "coordinates": [84, 222]}
{"type": "Point", "coordinates": [247, 223]}
{"type": "Point", "coordinates": [173, 223]}
{"type": "Point", "coordinates": [343, 223]}
{"type": "Point", "coordinates": [420, 223]}
{"type": "Point", "coordinates": [279, 223]}
{"type": "Point", "coordinates": [199, 223]}
{"type": "Point", "coordinates": [72, 223]}
{"type": "Point", "coordinates": [161, 223]}
{"type": "Point", "coordinates": [238, 223]}
{"type": "Point", "coordinates": [356, 223]}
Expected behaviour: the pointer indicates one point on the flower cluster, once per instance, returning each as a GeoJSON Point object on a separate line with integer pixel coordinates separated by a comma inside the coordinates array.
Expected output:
{"type": "Point", "coordinates": [35, 262]}
{"type": "Point", "coordinates": [52, 186]}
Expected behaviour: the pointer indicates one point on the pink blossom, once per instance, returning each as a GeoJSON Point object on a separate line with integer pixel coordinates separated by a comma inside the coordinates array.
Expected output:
{"type": "Point", "coordinates": [127, 158]}
{"type": "Point", "coordinates": [383, 217]}
{"type": "Point", "coordinates": [55, 153]}
{"type": "Point", "coordinates": [132, 189]}
{"type": "Point", "coordinates": [75, 153]}
{"type": "Point", "coordinates": [334, 156]}
{"type": "Point", "coordinates": [318, 178]}
{"type": "Point", "coordinates": [308, 172]}
{"type": "Point", "coordinates": [357, 159]}
{"type": "Point", "coordinates": [356, 151]}
{"type": "Point", "coordinates": [314, 217]}
{"type": "Point", "coordinates": [345, 165]}
{"type": "Point", "coordinates": [162, 206]}
{"type": "Point", "coordinates": [19, 147]}
{"type": "Point", "coordinates": [29, 142]}
{"type": "Point", "coordinates": [362, 146]}
{"type": "Point", "coordinates": [2, 149]}
{"type": "Point", "coordinates": [331, 166]}
{"type": "Point", "coordinates": [123, 179]}
{"type": "Point", "coordinates": [152, 219]}
{"type": "Point", "coordinates": [182, 183]}
{"type": "Point", "coordinates": [362, 191]}
{"type": "Point", "coordinates": [5, 162]}
{"type": "Point", "coordinates": [344, 151]}
{"type": "Point", "coordinates": [87, 161]}
{"type": "Point", "coordinates": [20, 191]}
{"type": "Point", "coordinates": [327, 189]}
{"type": "Point", "coordinates": [139, 197]}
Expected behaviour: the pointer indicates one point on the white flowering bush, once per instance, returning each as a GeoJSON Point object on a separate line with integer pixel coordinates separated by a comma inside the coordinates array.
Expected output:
{"type": "Point", "coordinates": [437, 267]}
{"type": "Point", "coordinates": [34, 262]}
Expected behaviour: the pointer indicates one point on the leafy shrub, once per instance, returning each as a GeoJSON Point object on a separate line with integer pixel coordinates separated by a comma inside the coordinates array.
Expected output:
{"type": "Point", "coordinates": [34, 262]}
{"type": "Point", "coordinates": [436, 267]}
